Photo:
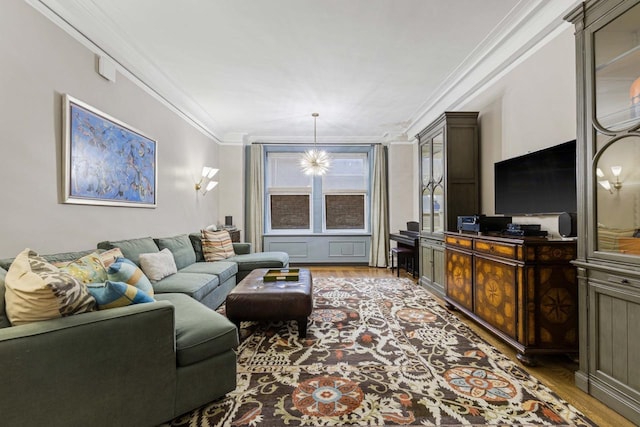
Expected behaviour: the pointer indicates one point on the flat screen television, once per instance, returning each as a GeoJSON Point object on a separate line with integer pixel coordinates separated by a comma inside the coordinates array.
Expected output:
{"type": "Point", "coordinates": [542, 182]}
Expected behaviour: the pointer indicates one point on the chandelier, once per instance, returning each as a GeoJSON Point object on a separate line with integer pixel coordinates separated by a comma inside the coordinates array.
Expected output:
{"type": "Point", "coordinates": [314, 161]}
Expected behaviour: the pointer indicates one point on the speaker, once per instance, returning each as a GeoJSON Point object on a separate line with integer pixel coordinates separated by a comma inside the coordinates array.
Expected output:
{"type": "Point", "coordinates": [228, 220]}
{"type": "Point", "coordinates": [567, 224]}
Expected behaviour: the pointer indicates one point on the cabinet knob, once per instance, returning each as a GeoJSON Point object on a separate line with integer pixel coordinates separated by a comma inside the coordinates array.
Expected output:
{"type": "Point", "coordinates": [492, 248]}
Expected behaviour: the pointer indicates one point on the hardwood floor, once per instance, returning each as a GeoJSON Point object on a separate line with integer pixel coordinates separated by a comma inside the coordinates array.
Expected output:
{"type": "Point", "coordinates": [554, 371]}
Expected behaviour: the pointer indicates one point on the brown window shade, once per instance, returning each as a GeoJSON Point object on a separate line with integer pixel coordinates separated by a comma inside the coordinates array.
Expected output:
{"type": "Point", "coordinates": [290, 212]}
{"type": "Point", "coordinates": [344, 211]}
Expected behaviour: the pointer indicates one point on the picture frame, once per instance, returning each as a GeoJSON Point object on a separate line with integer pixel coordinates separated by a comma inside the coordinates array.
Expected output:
{"type": "Point", "coordinates": [106, 161]}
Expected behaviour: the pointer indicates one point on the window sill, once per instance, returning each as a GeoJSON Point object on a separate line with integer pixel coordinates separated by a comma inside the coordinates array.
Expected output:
{"type": "Point", "coordinates": [327, 233]}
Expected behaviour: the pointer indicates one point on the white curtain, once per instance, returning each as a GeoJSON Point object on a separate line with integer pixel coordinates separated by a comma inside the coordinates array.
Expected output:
{"type": "Point", "coordinates": [379, 209]}
{"type": "Point", "coordinates": [256, 202]}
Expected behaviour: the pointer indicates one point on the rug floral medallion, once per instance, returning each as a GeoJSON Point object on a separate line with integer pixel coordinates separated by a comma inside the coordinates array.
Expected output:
{"type": "Point", "coordinates": [378, 352]}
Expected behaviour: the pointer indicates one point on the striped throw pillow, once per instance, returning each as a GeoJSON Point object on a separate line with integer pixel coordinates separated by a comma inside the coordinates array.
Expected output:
{"type": "Point", "coordinates": [117, 294]}
{"type": "Point", "coordinates": [216, 245]}
{"type": "Point", "coordinates": [124, 270]}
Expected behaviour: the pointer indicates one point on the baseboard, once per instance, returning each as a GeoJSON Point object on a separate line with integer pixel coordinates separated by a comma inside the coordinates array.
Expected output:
{"type": "Point", "coordinates": [582, 381]}
{"type": "Point", "coordinates": [619, 402]}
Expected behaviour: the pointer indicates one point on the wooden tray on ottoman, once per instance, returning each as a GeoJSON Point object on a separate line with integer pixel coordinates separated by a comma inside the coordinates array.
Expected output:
{"type": "Point", "coordinates": [256, 299]}
{"type": "Point", "coordinates": [287, 274]}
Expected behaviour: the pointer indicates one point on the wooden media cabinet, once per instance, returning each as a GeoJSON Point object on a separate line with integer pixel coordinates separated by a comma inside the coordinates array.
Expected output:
{"type": "Point", "coordinates": [523, 289]}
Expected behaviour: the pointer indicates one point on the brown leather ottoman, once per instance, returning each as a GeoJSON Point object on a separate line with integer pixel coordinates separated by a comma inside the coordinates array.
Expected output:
{"type": "Point", "coordinates": [255, 299]}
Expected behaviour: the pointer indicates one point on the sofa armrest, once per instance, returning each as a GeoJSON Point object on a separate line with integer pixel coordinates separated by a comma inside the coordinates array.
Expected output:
{"type": "Point", "coordinates": [242, 248]}
{"type": "Point", "coordinates": [73, 370]}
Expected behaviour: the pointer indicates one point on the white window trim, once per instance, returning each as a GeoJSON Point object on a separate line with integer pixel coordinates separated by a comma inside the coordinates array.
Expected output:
{"type": "Point", "coordinates": [365, 230]}
{"type": "Point", "coordinates": [271, 230]}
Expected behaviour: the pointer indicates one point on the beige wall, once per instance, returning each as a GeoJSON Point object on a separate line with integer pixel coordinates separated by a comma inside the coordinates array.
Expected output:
{"type": "Point", "coordinates": [232, 183]}
{"type": "Point", "coordinates": [402, 164]}
{"type": "Point", "coordinates": [531, 107]}
{"type": "Point", "coordinates": [40, 62]}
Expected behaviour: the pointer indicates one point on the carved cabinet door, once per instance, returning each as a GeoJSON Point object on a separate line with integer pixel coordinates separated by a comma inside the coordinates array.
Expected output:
{"type": "Point", "coordinates": [459, 283]}
{"type": "Point", "coordinates": [496, 298]}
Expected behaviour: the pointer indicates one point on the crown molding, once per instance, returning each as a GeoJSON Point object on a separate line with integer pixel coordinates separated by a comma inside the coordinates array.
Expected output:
{"type": "Point", "coordinates": [529, 26]}
{"type": "Point", "coordinates": [306, 140]}
{"type": "Point", "coordinates": [129, 62]}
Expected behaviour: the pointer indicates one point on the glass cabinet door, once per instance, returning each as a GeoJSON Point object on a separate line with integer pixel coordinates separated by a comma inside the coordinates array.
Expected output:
{"type": "Point", "coordinates": [616, 157]}
{"type": "Point", "coordinates": [617, 195]}
{"type": "Point", "coordinates": [438, 183]}
{"type": "Point", "coordinates": [425, 185]}
{"type": "Point", "coordinates": [617, 72]}
{"type": "Point", "coordinates": [432, 184]}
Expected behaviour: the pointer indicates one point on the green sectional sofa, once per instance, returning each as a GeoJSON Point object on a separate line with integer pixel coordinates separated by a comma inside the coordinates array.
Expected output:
{"type": "Point", "coordinates": [207, 282]}
{"type": "Point", "coordinates": [138, 365]}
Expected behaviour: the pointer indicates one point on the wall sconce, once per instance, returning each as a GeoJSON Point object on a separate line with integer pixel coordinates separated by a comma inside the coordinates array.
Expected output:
{"type": "Point", "coordinates": [207, 174]}
{"type": "Point", "coordinates": [605, 183]}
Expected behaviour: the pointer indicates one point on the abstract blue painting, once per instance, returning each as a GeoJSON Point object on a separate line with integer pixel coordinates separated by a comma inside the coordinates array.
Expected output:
{"type": "Point", "coordinates": [107, 162]}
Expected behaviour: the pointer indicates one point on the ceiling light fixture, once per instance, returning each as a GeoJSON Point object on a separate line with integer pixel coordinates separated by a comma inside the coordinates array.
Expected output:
{"type": "Point", "coordinates": [314, 161]}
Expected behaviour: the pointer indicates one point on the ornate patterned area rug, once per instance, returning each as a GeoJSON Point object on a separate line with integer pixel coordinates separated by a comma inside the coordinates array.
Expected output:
{"type": "Point", "coordinates": [378, 352]}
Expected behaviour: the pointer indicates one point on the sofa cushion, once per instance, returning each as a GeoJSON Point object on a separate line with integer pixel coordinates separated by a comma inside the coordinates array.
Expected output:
{"type": "Point", "coordinates": [4, 320]}
{"type": "Point", "coordinates": [58, 258]}
{"type": "Point", "coordinates": [252, 261]}
{"type": "Point", "coordinates": [117, 294]}
{"type": "Point", "coordinates": [87, 269]}
{"type": "Point", "coordinates": [159, 265]}
{"type": "Point", "coordinates": [223, 269]}
{"type": "Point", "coordinates": [216, 245]}
{"type": "Point", "coordinates": [132, 248]}
{"type": "Point", "coordinates": [124, 270]}
{"type": "Point", "coordinates": [37, 290]}
{"type": "Point", "coordinates": [196, 285]}
{"type": "Point", "coordinates": [196, 242]}
{"type": "Point", "coordinates": [181, 248]}
{"type": "Point", "coordinates": [200, 332]}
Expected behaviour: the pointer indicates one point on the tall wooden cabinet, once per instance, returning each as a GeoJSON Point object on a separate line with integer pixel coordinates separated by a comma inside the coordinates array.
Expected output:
{"type": "Point", "coordinates": [449, 186]}
{"type": "Point", "coordinates": [608, 77]}
{"type": "Point", "coordinates": [522, 289]}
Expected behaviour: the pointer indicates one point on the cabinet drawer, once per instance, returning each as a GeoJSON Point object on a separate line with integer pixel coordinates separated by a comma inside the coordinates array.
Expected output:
{"type": "Point", "coordinates": [613, 278]}
{"type": "Point", "coordinates": [459, 241]}
{"type": "Point", "coordinates": [503, 250]}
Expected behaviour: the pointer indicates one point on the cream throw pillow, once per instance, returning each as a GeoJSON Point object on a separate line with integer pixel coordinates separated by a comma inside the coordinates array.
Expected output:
{"type": "Point", "coordinates": [37, 290]}
{"type": "Point", "coordinates": [158, 265]}
{"type": "Point", "coordinates": [216, 245]}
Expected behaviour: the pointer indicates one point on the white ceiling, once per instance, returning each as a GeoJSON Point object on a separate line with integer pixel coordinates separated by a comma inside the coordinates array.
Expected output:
{"type": "Point", "coordinates": [256, 70]}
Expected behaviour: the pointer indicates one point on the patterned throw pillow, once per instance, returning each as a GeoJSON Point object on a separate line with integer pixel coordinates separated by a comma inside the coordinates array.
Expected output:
{"type": "Point", "coordinates": [117, 294]}
{"type": "Point", "coordinates": [88, 269]}
{"type": "Point", "coordinates": [124, 270]}
{"type": "Point", "coordinates": [158, 265]}
{"type": "Point", "coordinates": [217, 245]}
{"type": "Point", "coordinates": [37, 290]}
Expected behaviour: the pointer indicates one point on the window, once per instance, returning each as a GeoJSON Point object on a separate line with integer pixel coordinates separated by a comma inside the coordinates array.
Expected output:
{"type": "Point", "coordinates": [344, 189]}
{"type": "Point", "coordinates": [335, 202]}
{"type": "Point", "coordinates": [288, 194]}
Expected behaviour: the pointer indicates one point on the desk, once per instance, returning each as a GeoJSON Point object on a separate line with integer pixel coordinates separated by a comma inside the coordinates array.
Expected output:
{"type": "Point", "coordinates": [408, 239]}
